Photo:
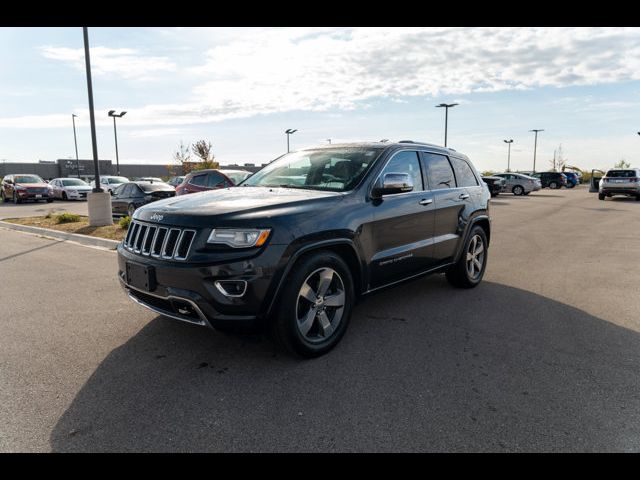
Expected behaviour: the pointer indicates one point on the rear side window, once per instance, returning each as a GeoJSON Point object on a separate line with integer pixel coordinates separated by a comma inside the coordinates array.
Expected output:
{"type": "Point", "coordinates": [199, 180]}
{"type": "Point", "coordinates": [439, 172]}
{"type": "Point", "coordinates": [406, 162]}
{"type": "Point", "coordinates": [464, 174]}
{"type": "Point", "coordinates": [215, 180]}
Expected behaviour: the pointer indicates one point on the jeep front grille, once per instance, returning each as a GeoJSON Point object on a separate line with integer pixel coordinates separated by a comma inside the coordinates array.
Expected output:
{"type": "Point", "coordinates": [159, 242]}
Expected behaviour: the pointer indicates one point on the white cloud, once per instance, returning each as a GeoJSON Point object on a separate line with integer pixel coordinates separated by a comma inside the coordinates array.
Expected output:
{"type": "Point", "coordinates": [124, 62]}
{"type": "Point", "coordinates": [263, 71]}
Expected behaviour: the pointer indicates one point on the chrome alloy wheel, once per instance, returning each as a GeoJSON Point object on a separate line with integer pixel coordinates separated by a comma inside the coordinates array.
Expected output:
{"type": "Point", "coordinates": [475, 257]}
{"type": "Point", "coordinates": [320, 305]}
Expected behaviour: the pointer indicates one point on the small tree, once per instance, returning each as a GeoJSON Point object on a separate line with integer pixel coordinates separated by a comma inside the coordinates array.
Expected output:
{"type": "Point", "coordinates": [183, 159]}
{"type": "Point", "coordinates": [558, 161]}
{"type": "Point", "coordinates": [202, 150]}
{"type": "Point", "coordinates": [622, 164]}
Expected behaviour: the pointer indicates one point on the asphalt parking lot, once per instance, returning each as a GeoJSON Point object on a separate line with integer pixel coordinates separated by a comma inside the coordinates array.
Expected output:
{"type": "Point", "coordinates": [542, 356]}
{"type": "Point", "coordinates": [32, 209]}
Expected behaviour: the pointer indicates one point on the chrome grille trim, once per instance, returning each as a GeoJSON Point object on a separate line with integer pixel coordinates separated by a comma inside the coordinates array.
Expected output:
{"type": "Point", "coordinates": [143, 238]}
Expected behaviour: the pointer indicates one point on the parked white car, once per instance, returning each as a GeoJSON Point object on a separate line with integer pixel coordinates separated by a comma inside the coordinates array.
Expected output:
{"type": "Point", "coordinates": [70, 188]}
{"type": "Point", "coordinates": [109, 183]}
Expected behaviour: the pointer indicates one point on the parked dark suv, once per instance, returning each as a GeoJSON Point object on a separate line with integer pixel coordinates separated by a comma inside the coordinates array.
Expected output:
{"type": "Point", "coordinates": [552, 180]}
{"type": "Point", "coordinates": [303, 238]}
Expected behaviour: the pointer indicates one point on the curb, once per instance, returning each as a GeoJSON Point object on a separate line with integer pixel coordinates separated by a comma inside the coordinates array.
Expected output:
{"type": "Point", "coordinates": [75, 237]}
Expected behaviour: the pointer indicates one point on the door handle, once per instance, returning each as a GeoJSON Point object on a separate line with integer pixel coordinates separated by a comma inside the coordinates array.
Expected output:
{"type": "Point", "coordinates": [426, 201]}
{"type": "Point", "coordinates": [463, 196]}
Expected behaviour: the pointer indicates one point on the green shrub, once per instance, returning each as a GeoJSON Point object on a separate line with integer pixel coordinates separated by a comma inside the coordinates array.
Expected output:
{"type": "Point", "coordinates": [124, 222]}
{"type": "Point", "coordinates": [67, 217]}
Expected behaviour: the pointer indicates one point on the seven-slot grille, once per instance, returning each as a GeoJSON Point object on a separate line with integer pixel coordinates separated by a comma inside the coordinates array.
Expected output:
{"type": "Point", "coordinates": [160, 242]}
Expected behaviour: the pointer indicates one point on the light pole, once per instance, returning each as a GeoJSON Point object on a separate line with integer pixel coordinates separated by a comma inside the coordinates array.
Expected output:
{"type": "Point", "coordinates": [75, 141]}
{"type": "Point", "coordinates": [535, 147]}
{"type": "Point", "coordinates": [329, 140]}
{"type": "Point", "coordinates": [112, 113]}
{"type": "Point", "coordinates": [446, 106]}
{"type": "Point", "coordinates": [509, 142]}
{"type": "Point", "coordinates": [289, 132]}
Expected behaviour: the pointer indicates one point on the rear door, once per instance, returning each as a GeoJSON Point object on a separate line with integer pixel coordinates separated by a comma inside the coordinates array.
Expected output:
{"type": "Point", "coordinates": [402, 228]}
{"type": "Point", "coordinates": [216, 180]}
{"type": "Point", "coordinates": [451, 200]}
{"type": "Point", "coordinates": [119, 199]}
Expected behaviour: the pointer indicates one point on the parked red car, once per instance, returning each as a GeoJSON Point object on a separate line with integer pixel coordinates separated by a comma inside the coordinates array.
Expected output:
{"type": "Point", "coordinates": [202, 180]}
{"type": "Point", "coordinates": [19, 188]}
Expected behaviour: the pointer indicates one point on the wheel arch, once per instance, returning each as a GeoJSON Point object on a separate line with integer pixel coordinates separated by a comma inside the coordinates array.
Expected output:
{"type": "Point", "coordinates": [343, 247]}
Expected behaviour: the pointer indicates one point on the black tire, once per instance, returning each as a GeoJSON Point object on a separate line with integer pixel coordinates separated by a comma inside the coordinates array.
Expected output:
{"type": "Point", "coordinates": [494, 194]}
{"type": "Point", "coordinates": [64, 196]}
{"type": "Point", "coordinates": [553, 185]}
{"type": "Point", "coordinates": [4, 198]}
{"type": "Point", "coordinates": [518, 190]}
{"type": "Point", "coordinates": [16, 200]}
{"type": "Point", "coordinates": [601, 196]}
{"type": "Point", "coordinates": [49, 200]}
{"type": "Point", "coordinates": [458, 274]}
{"type": "Point", "coordinates": [570, 185]}
{"type": "Point", "coordinates": [286, 327]}
{"type": "Point", "coordinates": [638, 198]}
{"type": "Point", "coordinates": [527, 193]}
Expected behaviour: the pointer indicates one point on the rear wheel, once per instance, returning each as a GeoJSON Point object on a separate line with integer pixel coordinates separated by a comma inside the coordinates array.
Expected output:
{"type": "Point", "coordinates": [315, 306]}
{"type": "Point", "coordinates": [553, 185]}
{"type": "Point", "coordinates": [518, 190]}
{"type": "Point", "coordinates": [469, 269]}
{"type": "Point", "coordinates": [601, 196]}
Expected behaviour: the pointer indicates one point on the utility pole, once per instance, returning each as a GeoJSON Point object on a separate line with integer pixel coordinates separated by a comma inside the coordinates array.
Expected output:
{"type": "Point", "coordinates": [509, 142]}
{"type": "Point", "coordinates": [535, 146]}
{"type": "Point", "coordinates": [75, 141]}
{"type": "Point", "coordinates": [446, 106]}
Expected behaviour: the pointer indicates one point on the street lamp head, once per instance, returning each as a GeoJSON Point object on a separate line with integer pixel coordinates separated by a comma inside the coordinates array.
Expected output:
{"type": "Point", "coordinates": [447, 105]}
{"type": "Point", "coordinates": [537, 130]}
{"type": "Point", "coordinates": [111, 112]}
{"type": "Point", "coordinates": [290, 131]}
{"type": "Point", "coordinates": [74, 115]}
{"type": "Point", "coordinates": [508, 141]}
{"type": "Point", "coordinates": [122, 114]}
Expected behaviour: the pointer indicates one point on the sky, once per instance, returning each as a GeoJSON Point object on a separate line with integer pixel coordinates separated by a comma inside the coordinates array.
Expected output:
{"type": "Point", "coordinates": [241, 88]}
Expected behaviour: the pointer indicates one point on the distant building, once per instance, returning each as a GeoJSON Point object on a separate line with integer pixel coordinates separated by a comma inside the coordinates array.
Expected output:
{"type": "Point", "coordinates": [65, 167]}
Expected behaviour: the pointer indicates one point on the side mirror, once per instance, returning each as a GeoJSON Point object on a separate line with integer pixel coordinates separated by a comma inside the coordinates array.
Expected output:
{"type": "Point", "coordinates": [392, 183]}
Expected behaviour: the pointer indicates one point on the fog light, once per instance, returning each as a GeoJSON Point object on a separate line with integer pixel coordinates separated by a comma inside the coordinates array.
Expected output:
{"type": "Point", "coordinates": [231, 288]}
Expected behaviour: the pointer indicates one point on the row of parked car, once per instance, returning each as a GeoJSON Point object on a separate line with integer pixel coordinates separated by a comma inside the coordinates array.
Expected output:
{"type": "Point", "coordinates": [127, 194]}
{"type": "Point", "coordinates": [523, 183]}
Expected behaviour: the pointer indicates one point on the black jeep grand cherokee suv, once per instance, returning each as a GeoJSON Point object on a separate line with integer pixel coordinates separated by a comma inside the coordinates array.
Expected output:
{"type": "Point", "coordinates": [298, 242]}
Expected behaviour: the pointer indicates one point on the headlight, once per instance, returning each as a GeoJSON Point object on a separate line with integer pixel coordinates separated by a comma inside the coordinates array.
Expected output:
{"type": "Point", "coordinates": [239, 238]}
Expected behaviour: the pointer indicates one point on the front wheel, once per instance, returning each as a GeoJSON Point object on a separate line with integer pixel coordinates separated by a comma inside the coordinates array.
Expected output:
{"type": "Point", "coordinates": [4, 197]}
{"type": "Point", "coordinates": [601, 196]}
{"type": "Point", "coordinates": [553, 185]}
{"type": "Point", "coordinates": [315, 306]}
{"type": "Point", "coordinates": [468, 271]}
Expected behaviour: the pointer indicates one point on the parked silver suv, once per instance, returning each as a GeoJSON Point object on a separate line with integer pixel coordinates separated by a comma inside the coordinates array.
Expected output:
{"type": "Point", "coordinates": [620, 181]}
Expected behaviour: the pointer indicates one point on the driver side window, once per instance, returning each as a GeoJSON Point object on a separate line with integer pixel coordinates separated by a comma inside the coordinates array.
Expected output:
{"type": "Point", "coordinates": [405, 162]}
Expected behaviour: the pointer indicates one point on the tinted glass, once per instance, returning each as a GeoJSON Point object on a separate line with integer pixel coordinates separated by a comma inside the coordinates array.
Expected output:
{"type": "Point", "coordinates": [71, 182]}
{"type": "Point", "coordinates": [215, 180]}
{"type": "Point", "coordinates": [237, 177]}
{"type": "Point", "coordinates": [464, 174]}
{"type": "Point", "coordinates": [336, 169]}
{"type": "Point", "coordinates": [154, 187]}
{"type": "Point", "coordinates": [119, 191]}
{"type": "Point", "coordinates": [405, 162]}
{"type": "Point", "coordinates": [28, 179]}
{"type": "Point", "coordinates": [439, 172]}
{"type": "Point", "coordinates": [117, 180]}
{"type": "Point", "coordinates": [199, 180]}
{"type": "Point", "coordinates": [135, 190]}
{"type": "Point", "coordinates": [621, 173]}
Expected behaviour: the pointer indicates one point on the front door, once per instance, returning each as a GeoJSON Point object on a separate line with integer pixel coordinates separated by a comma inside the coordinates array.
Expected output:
{"type": "Point", "coordinates": [402, 227]}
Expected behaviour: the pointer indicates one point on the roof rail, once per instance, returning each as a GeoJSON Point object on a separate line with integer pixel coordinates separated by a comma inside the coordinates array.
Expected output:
{"type": "Point", "coordinates": [406, 141]}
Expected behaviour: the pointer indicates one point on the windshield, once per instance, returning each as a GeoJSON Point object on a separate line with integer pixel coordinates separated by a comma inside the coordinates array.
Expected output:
{"type": "Point", "coordinates": [334, 169]}
{"type": "Point", "coordinates": [74, 183]}
{"type": "Point", "coordinates": [237, 177]}
{"type": "Point", "coordinates": [28, 179]}
{"type": "Point", "coordinates": [116, 180]}
{"type": "Point", "coordinates": [621, 173]}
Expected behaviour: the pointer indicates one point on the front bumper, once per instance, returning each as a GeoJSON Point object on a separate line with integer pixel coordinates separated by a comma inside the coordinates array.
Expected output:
{"type": "Point", "coordinates": [188, 292]}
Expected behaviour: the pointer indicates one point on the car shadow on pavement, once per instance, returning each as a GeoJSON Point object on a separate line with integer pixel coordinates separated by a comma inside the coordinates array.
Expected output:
{"type": "Point", "coordinates": [423, 367]}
